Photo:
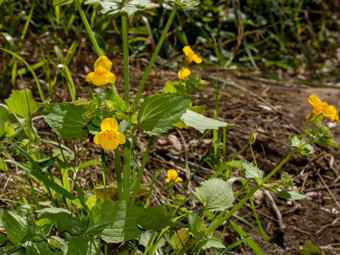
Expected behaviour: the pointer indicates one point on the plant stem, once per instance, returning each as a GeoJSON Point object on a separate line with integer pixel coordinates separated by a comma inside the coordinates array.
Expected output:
{"type": "Point", "coordinates": [141, 169]}
{"type": "Point", "coordinates": [126, 168]}
{"type": "Point", "coordinates": [88, 28]}
{"type": "Point", "coordinates": [118, 174]}
{"type": "Point", "coordinates": [126, 58]}
{"type": "Point", "coordinates": [153, 58]}
{"type": "Point", "coordinates": [104, 171]}
{"type": "Point", "coordinates": [220, 218]}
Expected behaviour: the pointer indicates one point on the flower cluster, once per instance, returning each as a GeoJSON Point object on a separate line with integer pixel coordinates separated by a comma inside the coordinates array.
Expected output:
{"type": "Point", "coordinates": [109, 137]}
{"type": "Point", "coordinates": [173, 176]}
{"type": "Point", "coordinates": [322, 108]}
{"type": "Point", "coordinates": [102, 72]}
{"type": "Point", "coordinates": [190, 56]}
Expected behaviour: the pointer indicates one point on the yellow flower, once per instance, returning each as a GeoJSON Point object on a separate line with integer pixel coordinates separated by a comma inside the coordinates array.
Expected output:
{"type": "Point", "coordinates": [109, 137]}
{"type": "Point", "coordinates": [184, 73]}
{"type": "Point", "coordinates": [173, 176]}
{"type": "Point", "coordinates": [191, 56]}
{"type": "Point", "coordinates": [101, 74]}
{"type": "Point", "coordinates": [320, 107]}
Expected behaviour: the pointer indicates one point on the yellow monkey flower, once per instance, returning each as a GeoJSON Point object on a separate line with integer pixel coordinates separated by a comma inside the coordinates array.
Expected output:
{"type": "Point", "coordinates": [102, 72]}
{"type": "Point", "coordinates": [173, 176]}
{"type": "Point", "coordinates": [109, 137]}
{"type": "Point", "coordinates": [320, 107]}
{"type": "Point", "coordinates": [191, 56]}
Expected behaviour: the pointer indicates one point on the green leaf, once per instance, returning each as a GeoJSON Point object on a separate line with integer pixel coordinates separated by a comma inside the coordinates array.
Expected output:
{"type": "Point", "coordinates": [186, 3]}
{"type": "Point", "coordinates": [310, 249]}
{"type": "Point", "coordinates": [41, 248]}
{"type": "Point", "coordinates": [15, 224]}
{"type": "Point", "coordinates": [159, 112]}
{"type": "Point", "coordinates": [251, 171]}
{"type": "Point", "coordinates": [155, 218]}
{"type": "Point", "coordinates": [197, 226]}
{"type": "Point", "coordinates": [179, 239]}
{"type": "Point", "coordinates": [3, 165]}
{"type": "Point", "coordinates": [58, 243]}
{"type": "Point", "coordinates": [216, 194]}
{"type": "Point", "coordinates": [299, 142]}
{"type": "Point", "coordinates": [66, 120]}
{"type": "Point", "coordinates": [130, 8]}
{"type": "Point", "coordinates": [60, 217]}
{"type": "Point", "coordinates": [213, 242]}
{"type": "Point", "coordinates": [200, 122]}
{"type": "Point", "coordinates": [22, 103]}
{"type": "Point", "coordinates": [78, 245]}
{"type": "Point", "coordinates": [114, 222]}
{"type": "Point", "coordinates": [291, 195]}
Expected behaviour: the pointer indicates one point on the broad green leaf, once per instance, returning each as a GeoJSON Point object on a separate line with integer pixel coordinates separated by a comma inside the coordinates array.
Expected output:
{"type": "Point", "coordinates": [130, 8]}
{"type": "Point", "coordinates": [186, 3]}
{"type": "Point", "coordinates": [196, 225]}
{"type": "Point", "coordinates": [251, 171]}
{"type": "Point", "coordinates": [213, 242]}
{"type": "Point", "coordinates": [159, 112]}
{"type": "Point", "coordinates": [291, 195]}
{"type": "Point", "coordinates": [200, 122]}
{"type": "Point", "coordinates": [60, 217]}
{"type": "Point", "coordinates": [216, 194]}
{"type": "Point", "coordinates": [155, 218]}
{"type": "Point", "coordinates": [59, 244]}
{"type": "Point", "coordinates": [299, 142]}
{"type": "Point", "coordinates": [114, 222]}
{"type": "Point", "coordinates": [3, 239]}
{"type": "Point", "coordinates": [78, 245]}
{"type": "Point", "coordinates": [66, 120]}
{"type": "Point", "coordinates": [179, 239]}
{"type": "Point", "coordinates": [41, 248]}
{"type": "Point", "coordinates": [15, 224]}
{"type": "Point", "coordinates": [22, 103]}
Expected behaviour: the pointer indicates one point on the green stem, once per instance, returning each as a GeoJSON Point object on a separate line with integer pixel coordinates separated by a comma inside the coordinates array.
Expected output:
{"type": "Point", "coordinates": [104, 171]}
{"type": "Point", "coordinates": [221, 217]}
{"type": "Point", "coordinates": [88, 28]}
{"type": "Point", "coordinates": [126, 58]}
{"type": "Point", "coordinates": [126, 168]}
{"type": "Point", "coordinates": [141, 169]}
{"type": "Point", "coordinates": [118, 174]}
{"type": "Point", "coordinates": [153, 58]}
{"type": "Point", "coordinates": [36, 201]}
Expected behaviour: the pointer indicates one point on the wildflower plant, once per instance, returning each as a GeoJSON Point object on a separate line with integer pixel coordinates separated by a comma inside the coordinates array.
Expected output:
{"type": "Point", "coordinates": [76, 221]}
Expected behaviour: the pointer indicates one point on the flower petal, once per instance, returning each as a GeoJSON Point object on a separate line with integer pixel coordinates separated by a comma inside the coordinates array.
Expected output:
{"type": "Point", "coordinates": [109, 124]}
{"type": "Point", "coordinates": [103, 62]}
{"type": "Point", "coordinates": [178, 179]}
{"type": "Point", "coordinates": [196, 59]}
{"type": "Point", "coordinates": [314, 100]}
{"type": "Point", "coordinates": [96, 138]}
{"type": "Point", "coordinates": [187, 50]}
{"type": "Point", "coordinates": [90, 76]}
{"type": "Point", "coordinates": [110, 77]}
{"type": "Point", "coordinates": [172, 174]}
{"type": "Point", "coordinates": [184, 73]}
{"type": "Point", "coordinates": [108, 140]}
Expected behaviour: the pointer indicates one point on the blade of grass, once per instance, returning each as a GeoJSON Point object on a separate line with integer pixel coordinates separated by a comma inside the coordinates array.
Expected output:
{"type": "Point", "coordinates": [248, 239]}
{"type": "Point", "coordinates": [28, 66]}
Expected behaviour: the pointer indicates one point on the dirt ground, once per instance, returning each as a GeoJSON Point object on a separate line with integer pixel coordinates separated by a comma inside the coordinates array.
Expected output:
{"type": "Point", "coordinates": [275, 110]}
